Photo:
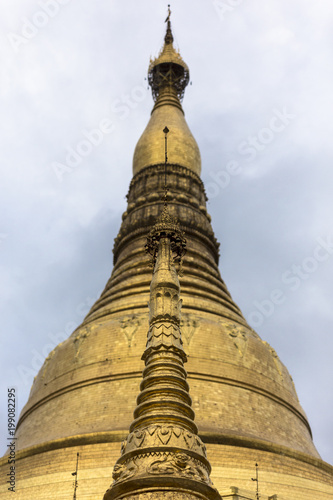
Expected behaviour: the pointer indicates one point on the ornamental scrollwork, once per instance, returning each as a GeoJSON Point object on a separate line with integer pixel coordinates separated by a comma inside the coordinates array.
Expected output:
{"type": "Point", "coordinates": [163, 435]}
{"type": "Point", "coordinates": [122, 472]}
{"type": "Point", "coordinates": [179, 463]}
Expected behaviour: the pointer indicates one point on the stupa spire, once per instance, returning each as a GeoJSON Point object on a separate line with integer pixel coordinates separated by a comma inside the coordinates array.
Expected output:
{"type": "Point", "coordinates": [163, 451]}
{"type": "Point", "coordinates": [245, 403]}
{"type": "Point", "coordinates": [168, 36]}
{"type": "Point", "coordinates": [168, 76]}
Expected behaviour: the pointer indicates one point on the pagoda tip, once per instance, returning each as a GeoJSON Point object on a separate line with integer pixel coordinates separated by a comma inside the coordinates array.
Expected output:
{"type": "Point", "coordinates": [168, 36]}
{"type": "Point", "coordinates": [169, 14]}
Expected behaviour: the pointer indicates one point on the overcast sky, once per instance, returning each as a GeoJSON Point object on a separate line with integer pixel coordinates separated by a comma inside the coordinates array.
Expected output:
{"type": "Point", "coordinates": [260, 106]}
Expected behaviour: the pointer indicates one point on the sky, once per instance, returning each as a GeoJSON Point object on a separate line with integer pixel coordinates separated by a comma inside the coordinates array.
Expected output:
{"type": "Point", "coordinates": [259, 106]}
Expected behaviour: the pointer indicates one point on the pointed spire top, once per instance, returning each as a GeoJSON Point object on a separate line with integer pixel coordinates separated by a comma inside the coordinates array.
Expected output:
{"type": "Point", "coordinates": [168, 73]}
{"type": "Point", "coordinates": [168, 36]}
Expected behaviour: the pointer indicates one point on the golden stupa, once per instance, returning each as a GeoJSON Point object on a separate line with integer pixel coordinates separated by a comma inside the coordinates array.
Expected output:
{"type": "Point", "coordinates": [246, 407]}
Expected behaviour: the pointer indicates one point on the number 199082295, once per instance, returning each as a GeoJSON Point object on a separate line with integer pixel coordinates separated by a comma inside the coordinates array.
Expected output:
{"type": "Point", "coordinates": [11, 411]}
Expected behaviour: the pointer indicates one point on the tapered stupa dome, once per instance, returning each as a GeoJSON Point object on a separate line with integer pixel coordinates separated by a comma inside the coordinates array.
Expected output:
{"type": "Point", "coordinates": [168, 76]}
{"type": "Point", "coordinates": [245, 404]}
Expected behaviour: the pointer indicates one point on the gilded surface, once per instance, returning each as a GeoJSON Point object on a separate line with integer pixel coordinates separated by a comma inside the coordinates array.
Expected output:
{"type": "Point", "coordinates": [163, 440]}
{"type": "Point", "coordinates": [168, 70]}
{"type": "Point", "coordinates": [157, 435]}
{"type": "Point", "coordinates": [168, 76]}
{"type": "Point", "coordinates": [182, 150]}
{"type": "Point", "coordinates": [244, 399]}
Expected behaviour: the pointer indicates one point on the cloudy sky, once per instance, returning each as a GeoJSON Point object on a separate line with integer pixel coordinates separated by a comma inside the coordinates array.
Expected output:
{"type": "Point", "coordinates": [260, 107]}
